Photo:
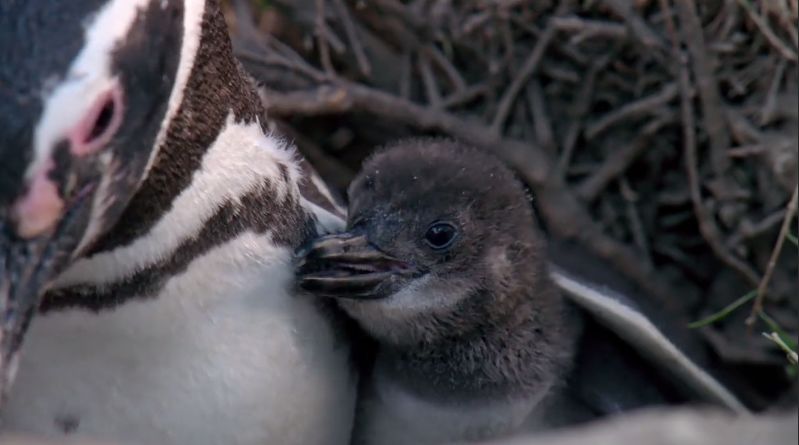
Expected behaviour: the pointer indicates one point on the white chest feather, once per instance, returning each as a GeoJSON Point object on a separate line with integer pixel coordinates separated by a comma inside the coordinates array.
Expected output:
{"type": "Point", "coordinates": [390, 415]}
{"type": "Point", "coordinates": [225, 354]}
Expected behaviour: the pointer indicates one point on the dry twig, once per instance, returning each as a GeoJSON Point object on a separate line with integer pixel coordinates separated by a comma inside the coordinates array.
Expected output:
{"type": "Point", "coordinates": [763, 26]}
{"type": "Point", "coordinates": [541, 120]}
{"type": "Point", "coordinates": [634, 219]}
{"type": "Point", "coordinates": [636, 108]}
{"type": "Point", "coordinates": [619, 160]}
{"type": "Point", "coordinates": [585, 28]}
{"type": "Point", "coordinates": [584, 99]}
{"type": "Point", "coordinates": [703, 66]}
{"type": "Point", "coordinates": [762, 287]}
{"type": "Point", "coordinates": [321, 38]}
{"type": "Point", "coordinates": [527, 70]}
{"type": "Point", "coordinates": [429, 81]}
{"type": "Point", "coordinates": [352, 36]}
{"type": "Point", "coordinates": [707, 225]}
{"type": "Point", "coordinates": [637, 25]}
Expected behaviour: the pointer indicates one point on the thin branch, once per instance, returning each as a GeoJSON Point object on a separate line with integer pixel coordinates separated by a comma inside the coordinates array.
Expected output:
{"type": "Point", "coordinates": [244, 21]}
{"type": "Point", "coordinates": [585, 28]}
{"type": "Point", "coordinates": [527, 70]}
{"type": "Point", "coordinates": [793, 358]}
{"type": "Point", "coordinates": [707, 226]}
{"type": "Point", "coordinates": [584, 100]}
{"type": "Point", "coordinates": [636, 108]}
{"type": "Point", "coordinates": [762, 287]}
{"type": "Point", "coordinates": [344, 96]}
{"type": "Point", "coordinates": [767, 114]}
{"type": "Point", "coordinates": [467, 94]}
{"type": "Point", "coordinates": [746, 151]}
{"type": "Point", "coordinates": [541, 120]}
{"type": "Point", "coordinates": [396, 8]}
{"type": "Point", "coordinates": [764, 28]}
{"type": "Point", "coordinates": [406, 75]}
{"type": "Point", "coordinates": [619, 160]}
{"type": "Point", "coordinates": [275, 59]}
{"type": "Point", "coordinates": [334, 41]}
{"type": "Point", "coordinates": [703, 65]}
{"type": "Point", "coordinates": [352, 36]}
{"type": "Point", "coordinates": [637, 25]}
{"type": "Point", "coordinates": [322, 100]}
{"type": "Point", "coordinates": [429, 81]}
{"type": "Point", "coordinates": [747, 229]}
{"type": "Point", "coordinates": [452, 74]}
{"type": "Point", "coordinates": [634, 219]}
{"type": "Point", "coordinates": [321, 38]}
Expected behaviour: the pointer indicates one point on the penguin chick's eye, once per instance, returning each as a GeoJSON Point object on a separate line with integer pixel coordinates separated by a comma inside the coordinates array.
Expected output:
{"type": "Point", "coordinates": [440, 235]}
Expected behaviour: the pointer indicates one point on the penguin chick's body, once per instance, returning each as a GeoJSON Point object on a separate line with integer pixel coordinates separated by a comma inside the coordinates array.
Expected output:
{"type": "Point", "coordinates": [444, 267]}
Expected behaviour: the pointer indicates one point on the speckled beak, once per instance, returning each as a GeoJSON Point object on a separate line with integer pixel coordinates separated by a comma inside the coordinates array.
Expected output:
{"type": "Point", "coordinates": [347, 266]}
{"type": "Point", "coordinates": [28, 264]}
{"type": "Point", "coordinates": [24, 271]}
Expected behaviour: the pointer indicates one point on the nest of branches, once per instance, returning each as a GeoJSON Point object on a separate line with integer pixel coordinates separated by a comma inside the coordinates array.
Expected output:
{"type": "Point", "coordinates": [661, 135]}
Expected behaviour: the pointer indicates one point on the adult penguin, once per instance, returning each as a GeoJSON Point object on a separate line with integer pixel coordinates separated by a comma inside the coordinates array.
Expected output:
{"type": "Point", "coordinates": [141, 190]}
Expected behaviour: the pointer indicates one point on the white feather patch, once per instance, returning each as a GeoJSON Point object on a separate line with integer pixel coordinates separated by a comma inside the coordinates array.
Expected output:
{"type": "Point", "coordinates": [68, 99]}
{"type": "Point", "coordinates": [326, 221]}
{"type": "Point", "coordinates": [325, 192]}
{"type": "Point", "coordinates": [241, 158]}
{"type": "Point", "coordinates": [225, 353]}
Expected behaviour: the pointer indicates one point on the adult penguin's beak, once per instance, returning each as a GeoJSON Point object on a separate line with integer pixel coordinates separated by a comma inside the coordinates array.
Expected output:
{"type": "Point", "coordinates": [40, 229]}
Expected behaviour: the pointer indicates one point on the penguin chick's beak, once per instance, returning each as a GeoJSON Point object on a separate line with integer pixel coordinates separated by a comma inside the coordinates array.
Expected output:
{"type": "Point", "coordinates": [348, 266]}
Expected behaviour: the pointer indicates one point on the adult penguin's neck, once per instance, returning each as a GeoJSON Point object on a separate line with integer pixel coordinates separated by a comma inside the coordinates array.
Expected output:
{"type": "Point", "coordinates": [216, 173]}
{"type": "Point", "coordinates": [214, 92]}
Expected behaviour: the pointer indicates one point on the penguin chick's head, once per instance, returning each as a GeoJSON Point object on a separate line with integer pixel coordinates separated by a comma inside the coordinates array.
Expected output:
{"type": "Point", "coordinates": [84, 88]}
{"type": "Point", "coordinates": [441, 240]}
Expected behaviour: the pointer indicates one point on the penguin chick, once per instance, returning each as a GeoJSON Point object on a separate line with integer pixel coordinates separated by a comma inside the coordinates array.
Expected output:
{"type": "Point", "coordinates": [444, 267]}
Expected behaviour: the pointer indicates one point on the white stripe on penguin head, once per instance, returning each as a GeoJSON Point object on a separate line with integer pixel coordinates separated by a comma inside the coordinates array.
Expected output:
{"type": "Point", "coordinates": [193, 11]}
{"type": "Point", "coordinates": [67, 99]}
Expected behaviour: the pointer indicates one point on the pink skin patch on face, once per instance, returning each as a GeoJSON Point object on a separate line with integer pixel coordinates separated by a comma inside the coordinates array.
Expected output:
{"type": "Point", "coordinates": [40, 208]}
{"type": "Point", "coordinates": [98, 125]}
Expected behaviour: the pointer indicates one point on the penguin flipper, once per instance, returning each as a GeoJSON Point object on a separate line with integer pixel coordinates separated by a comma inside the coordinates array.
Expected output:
{"type": "Point", "coordinates": [614, 312]}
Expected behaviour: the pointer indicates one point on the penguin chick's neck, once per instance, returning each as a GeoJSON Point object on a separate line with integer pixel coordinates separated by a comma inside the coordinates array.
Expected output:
{"type": "Point", "coordinates": [518, 345]}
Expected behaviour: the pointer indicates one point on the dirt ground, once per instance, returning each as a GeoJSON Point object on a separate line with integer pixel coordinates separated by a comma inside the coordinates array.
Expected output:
{"type": "Point", "coordinates": [660, 135]}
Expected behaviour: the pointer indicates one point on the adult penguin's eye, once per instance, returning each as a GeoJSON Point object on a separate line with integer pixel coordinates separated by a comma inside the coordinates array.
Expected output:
{"type": "Point", "coordinates": [99, 125]}
{"type": "Point", "coordinates": [441, 235]}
